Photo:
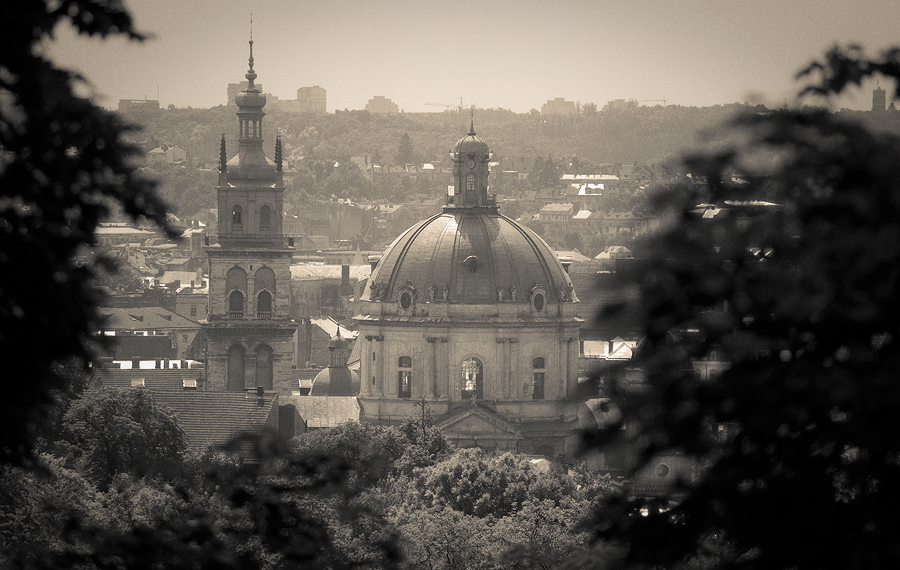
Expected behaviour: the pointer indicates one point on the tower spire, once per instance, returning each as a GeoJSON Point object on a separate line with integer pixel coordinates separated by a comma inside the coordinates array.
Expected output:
{"type": "Point", "coordinates": [278, 158]}
{"type": "Point", "coordinates": [472, 123]}
{"type": "Point", "coordinates": [251, 75]}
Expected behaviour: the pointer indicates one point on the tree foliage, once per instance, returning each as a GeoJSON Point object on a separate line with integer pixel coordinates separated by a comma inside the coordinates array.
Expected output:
{"type": "Point", "coordinates": [64, 163]}
{"type": "Point", "coordinates": [122, 431]}
{"type": "Point", "coordinates": [802, 296]}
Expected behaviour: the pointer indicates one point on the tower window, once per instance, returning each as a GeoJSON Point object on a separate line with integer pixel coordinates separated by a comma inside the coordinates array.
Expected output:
{"type": "Point", "coordinates": [404, 377]}
{"type": "Point", "coordinates": [235, 373]}
{"type": "Point", "coordinates": [236, 305]}
{"type": "Point", "coordinates": [236, 224]}
{"type": "Point", "coordinates": [538, 371]}
{"type": "Point", "coordinates": [470, 183]}
{"type": "Point", "coordinates": [472, 379]}
{"type": "Point", "coordinates": [265, 219]}
{"type": "Point", "coordinates": [264, 367]}
{"type": "Point", "coordinates": [264, 305]}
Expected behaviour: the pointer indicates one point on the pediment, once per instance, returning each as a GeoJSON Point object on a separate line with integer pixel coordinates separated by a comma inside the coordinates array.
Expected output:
{"type": "Point", "coordinates": [478, 422]}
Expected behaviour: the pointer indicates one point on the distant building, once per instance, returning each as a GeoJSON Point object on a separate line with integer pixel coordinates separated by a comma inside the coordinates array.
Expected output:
{"type": "Point", "coordinates": [235, 88]}
{"type": "Point", "coordinates": [167, 154]}
{"type": "Point", "coordinates": [118, 233]}
{"type": "Point", "coordinates": [381, 104]}
{"type": "Point", "coordinates": [879, 99]}
{"type": "Point", "coordinates": [149, 332]}
{"type": "Point", "coordinates": [311, 99]}
{"type": "Point", "coordinates": [558, 106]}
{"type": "Point", "coordinates": [556, 212]}
{"type": "Point", "coordinates": [128, 105]}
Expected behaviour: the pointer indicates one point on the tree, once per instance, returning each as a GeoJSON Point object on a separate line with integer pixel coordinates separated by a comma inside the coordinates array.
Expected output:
{"type": "Point", "coordinates": [798, 459]}
{"type": "Point", "coordinates": [122, 431]}
{"type": "Point", "coordinates": [64, 165]}
{"type": "Point", "coordinates": [404, 150]}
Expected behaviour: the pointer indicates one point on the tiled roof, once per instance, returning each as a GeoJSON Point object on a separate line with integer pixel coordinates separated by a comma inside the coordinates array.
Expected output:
{"type": "Point", "coordinates": [144, 318]}
{"type": "Point", "coordinates": [582, 215]}
{"type": "Point", "coordinates": [215, 418]}
{"type": "Point", "coordinates": [556, 207]}
{"type": "Point", "coordinates": [154, 379]}
{"type": "Point", "coordinates": [318, 271]}
{"type": "Point", "coordinates": [326, 411]}
{"type": "Point", "coordinates": [185, 277]}
{"type": "Point", "coordinates": [120, 230]}
{"type": "Point", "coordinates": [588, 177]}
{"type": "Point", "coordinates": [330, 327]}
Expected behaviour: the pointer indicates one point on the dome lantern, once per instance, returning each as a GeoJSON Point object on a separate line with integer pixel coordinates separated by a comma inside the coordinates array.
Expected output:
{"type": "Point", "coordinates": [471, 158]}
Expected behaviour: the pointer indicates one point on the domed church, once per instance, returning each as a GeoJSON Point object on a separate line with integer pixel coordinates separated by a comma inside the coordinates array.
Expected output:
{"type": "Point", "coordinates": [475, 314]}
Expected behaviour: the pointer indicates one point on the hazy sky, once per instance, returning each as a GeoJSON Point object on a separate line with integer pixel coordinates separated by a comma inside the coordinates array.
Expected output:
{"type": "Point", "coordinates": [491, 53]}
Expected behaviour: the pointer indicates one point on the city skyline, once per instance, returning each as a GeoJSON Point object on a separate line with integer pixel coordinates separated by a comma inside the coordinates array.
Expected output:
{"type": "Point", "coordinates": [511, 55]}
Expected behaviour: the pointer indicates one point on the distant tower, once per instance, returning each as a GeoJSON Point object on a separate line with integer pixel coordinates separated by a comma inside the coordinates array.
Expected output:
{"type": "Point", "coordinates": [250, 330]}
{"type": "Point", "coordinates": [878, 99]}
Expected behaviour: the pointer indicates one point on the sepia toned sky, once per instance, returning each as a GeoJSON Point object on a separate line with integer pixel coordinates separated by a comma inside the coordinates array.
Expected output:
{"type": "Point", "coordinates": [491, 53]}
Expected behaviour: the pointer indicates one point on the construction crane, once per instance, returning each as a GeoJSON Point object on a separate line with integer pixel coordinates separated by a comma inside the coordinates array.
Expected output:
{"type": "Point", "coordinates": [663, 101]}
{"type": "Point", "coordinates": [458, 108]}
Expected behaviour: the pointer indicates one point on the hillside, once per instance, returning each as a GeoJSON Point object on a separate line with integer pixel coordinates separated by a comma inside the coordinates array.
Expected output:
{"type": "Point", "coordinates": [626, 135]}
{"type": "Point", "coordinates": [623, 135]}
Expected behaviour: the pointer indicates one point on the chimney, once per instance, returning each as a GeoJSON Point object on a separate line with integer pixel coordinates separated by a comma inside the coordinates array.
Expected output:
{"type": "Point", "coordinates": [260, 396]}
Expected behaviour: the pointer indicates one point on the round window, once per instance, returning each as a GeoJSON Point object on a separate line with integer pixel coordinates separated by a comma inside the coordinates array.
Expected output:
{"type": "Point", "coordinates": [538, 301]}
{"type": "Point", "coordinates": [405, 300]}
{"type": "Point", "coordinates": [662, 470]}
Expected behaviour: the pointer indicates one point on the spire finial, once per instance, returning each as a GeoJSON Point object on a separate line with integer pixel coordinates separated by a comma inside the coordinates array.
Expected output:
{"type": "Point", "coordinates": [472, 123]}
{"type": "Point", "coordinates": [251, 75]}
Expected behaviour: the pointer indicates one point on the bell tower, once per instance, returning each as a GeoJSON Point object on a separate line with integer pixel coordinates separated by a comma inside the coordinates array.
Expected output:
{"type": "Point", "coordinates": [250, 332]}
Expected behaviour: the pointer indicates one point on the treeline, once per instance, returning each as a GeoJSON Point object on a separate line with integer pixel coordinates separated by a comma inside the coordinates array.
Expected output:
{"type": "Point", "coordinates": [626, 135]}
{"type": "Point", "coordinates": [115, 486]}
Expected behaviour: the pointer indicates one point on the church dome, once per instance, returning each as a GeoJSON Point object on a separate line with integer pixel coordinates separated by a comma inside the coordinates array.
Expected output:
{"type": "Point", "coordinates": [335, 381]}
{"type": "Point", "coordinates": [250, 98]}
{"type": "Point", "coordinates": [471, 256]}
{"type": "Point", "coordinates": [338, 342]}
{"type": "Point", "coordinates": [471, 144]}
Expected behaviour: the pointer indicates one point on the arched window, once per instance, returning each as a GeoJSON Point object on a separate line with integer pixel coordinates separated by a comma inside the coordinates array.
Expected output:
{"type": "Point", "coordinates": [264, 305]}
{"type": "Point", "coordinates": [264, 366]}
{"type": "Point", "coordinates": [235, 282]}
{"type": "Point", "coordinates": [472, 379]}
{"type": "Point", "coordinates": [265, 219]}
{"type": "Point", "coordinates": [236, 305]}
{"type": "Point", "coordinates": [538, 370]}
{"type": "Point", "coordinates": [470, 184]}
{"type": "Point", "coordinates": [235, 379]}
{"type": "Point", "coordinates": [404, 377]}
{"type": "Point", "coordinates": [264, 289]}
{"type": "Point", "coordinates": [236, 223]}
